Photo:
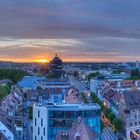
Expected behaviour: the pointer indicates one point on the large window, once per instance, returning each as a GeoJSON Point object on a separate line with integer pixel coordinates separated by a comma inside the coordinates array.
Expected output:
{"type": "Point", "coordinates": [88, 114]}
{"type": "Point", "coordinates": [70, 114]}
{"type": "Point", "coordinates": [58, 123]}
{"type": "Point", "coordinates": [56, 114]}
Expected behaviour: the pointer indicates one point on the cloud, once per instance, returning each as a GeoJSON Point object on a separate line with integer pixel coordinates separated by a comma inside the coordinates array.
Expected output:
{"type": "Point", "coordinates": [80, 30]}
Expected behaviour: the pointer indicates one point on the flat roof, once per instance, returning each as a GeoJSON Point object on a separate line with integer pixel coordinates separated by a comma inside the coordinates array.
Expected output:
{"type": "Point", "coordinates": [30, 81]}
{"type": "Point", "coordinates": [71, 107]}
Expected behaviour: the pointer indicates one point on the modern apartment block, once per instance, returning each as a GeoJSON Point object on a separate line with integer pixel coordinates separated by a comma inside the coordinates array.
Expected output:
{"type": "Point", "coordinates": [50, 119]}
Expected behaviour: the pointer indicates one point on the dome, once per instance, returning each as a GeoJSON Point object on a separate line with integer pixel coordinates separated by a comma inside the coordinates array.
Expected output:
{"type": "Point", "coordinates": [56, 60]}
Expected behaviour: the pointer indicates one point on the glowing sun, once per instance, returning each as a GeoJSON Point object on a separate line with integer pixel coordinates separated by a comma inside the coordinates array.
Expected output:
{"type": "Point", "coordinates": [42, 60]}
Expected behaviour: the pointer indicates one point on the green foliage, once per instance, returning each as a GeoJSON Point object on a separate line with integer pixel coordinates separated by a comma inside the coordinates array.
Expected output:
{"type": "Point", "coordinates": [39, 88]}
{"type": "Point", "coordinates": [117, 123]}
{"type": "Point", "coordinates": [96, 99]}
{"type": "Point", "coordinates": [108, 113]}
{"type": "Point", "coordinates": [135, 75]}
{"type": "Point", "coordinates": [93, 75]}
{"type": "Point", "coordinates": [31, 112]}
{"type": "Point", "coordinates": [85, 98]}
{"type": "Point", "coordinates": [25, 95]}
{"type": "Point", "coordinates": [8, 89]}
{"type": "Point", "coordinates": [12, 74]}
{"type": "Point", "coordinates": [4, 91]}
{"type": "Point", "coordinates": [117, 72]}
{"type": "Point", "coordinates": [53, 76]}
{"type": "Point", "coordinates": [102, 126]}
{"type": "Point", "coordinates": [111, 116]}
{"type": "Point", "coordinates": [75, 74]}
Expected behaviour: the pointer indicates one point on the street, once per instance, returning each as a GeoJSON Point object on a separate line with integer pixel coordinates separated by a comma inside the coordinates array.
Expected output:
{"type": "Point", "coordinates": [78, 85]}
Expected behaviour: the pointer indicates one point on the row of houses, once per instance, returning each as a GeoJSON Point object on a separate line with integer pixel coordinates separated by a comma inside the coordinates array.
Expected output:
{"type": "Point", "coordinates": [123, 98]}
{"type": "Point", "coordinates": [10, 109]}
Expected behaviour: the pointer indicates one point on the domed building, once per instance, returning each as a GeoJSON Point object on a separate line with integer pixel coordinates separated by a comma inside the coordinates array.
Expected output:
{"type": "Point", "coordinates": [56, 66]}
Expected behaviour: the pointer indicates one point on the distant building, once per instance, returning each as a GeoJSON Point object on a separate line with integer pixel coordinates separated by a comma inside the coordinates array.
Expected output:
{"type": "Point", "coordinates": [94, 84]}
{"type": "Point", "coordinates": [73, 96]}
{"type": "Point", "coordinates": [137, 64]}
{"type": "Point", "coordinates": [5, 82]}
{"type": "Point", "coordinates": [50, 119]}
{"type": "Point", "coordinates": [56, 66]}
{"type": "Point", "coordinates": [129, 108]}
{"type": "Point", "coordinates": [30, 82]}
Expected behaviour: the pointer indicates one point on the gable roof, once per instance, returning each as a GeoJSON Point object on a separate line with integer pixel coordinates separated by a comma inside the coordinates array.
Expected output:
{"type": "Point", "coordinates": [79, 130]}
{"type": "Point", "coordinates": [132, 99]}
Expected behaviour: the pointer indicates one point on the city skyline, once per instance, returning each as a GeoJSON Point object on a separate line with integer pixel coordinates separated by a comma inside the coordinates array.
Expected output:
{"type": "Point", "coordinates": [81, 31]}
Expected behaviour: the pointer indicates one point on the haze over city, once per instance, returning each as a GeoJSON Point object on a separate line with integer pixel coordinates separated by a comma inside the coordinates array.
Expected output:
{"type": "Point", "coordinates": [93, 30]}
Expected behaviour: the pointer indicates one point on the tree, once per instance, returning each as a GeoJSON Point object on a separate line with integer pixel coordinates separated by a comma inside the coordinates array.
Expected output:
{"type": "Point", "coordinates": [12, 74]}
{"type": "Point", "coordinates": [107, 111]}
{"type": "Point", "coordinates": [102, 126]}
{"type": "Point", "coordinates": [117, 123]}
{"type": "Point", "coordinates": [4, 91]}
{"type": "Point", "coordinates": [93, 75]}
{"type": "Point", "coordinates": [75, 74]}
{"type": "Point", "coordinates": [135, 73]}
{"type": "Point", "coordinates": [31, 112]}
{"type": "Point", "coordinates": [111, 116]}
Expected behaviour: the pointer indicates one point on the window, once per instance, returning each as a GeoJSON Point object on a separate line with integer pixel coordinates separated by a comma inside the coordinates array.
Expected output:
{"type": "Point", "coordinates": [41, 137]}
{"type": "Point", "coordinates": [58, 114]}
{"type": "Point", "coordinates": [70, 114]}
{"type": "Point", "coordinates": [135, 123]}
{"type": "Point", "coordinates": [35, 122]}
{"type": "Point", "coordinates": [38, 113]}
{"type": "Point", "coordinates": [41, 122]}
{"type": "Point", "coordinates": [44, 131]}
{"type": "Point", "coordinates": [38, 131]}
{"type": "Point", "coordinates": [35, 138]}
{"type": "Point", "coordinates": [130, 124]}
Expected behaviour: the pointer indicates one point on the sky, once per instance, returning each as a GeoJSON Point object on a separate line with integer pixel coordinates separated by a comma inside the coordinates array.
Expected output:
{"type": "Point", "coordinates": [77, 30]}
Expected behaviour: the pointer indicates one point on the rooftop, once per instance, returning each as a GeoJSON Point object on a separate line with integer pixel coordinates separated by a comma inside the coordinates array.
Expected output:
{"type": "Point", "coordinates": [62, 106]}
{"type": "Point", "coordinates": [132, 99]}
{"type": "Point", "coordinates": [29, 81]}
{"type": "Point", "coordinates": [79, 131]}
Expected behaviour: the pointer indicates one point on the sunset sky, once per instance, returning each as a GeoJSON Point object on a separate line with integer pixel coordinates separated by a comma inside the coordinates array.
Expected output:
{"type": "Point", "coordinates": [77, 30]}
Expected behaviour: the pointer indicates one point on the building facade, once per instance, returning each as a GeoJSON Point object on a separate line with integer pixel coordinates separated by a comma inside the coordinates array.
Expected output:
{"type": "Point", "coordinates": [48, 120]}
{"type": "Point", "coordinates": [130, 113]}
{"type": "Point", "coordinates": [56, 66]}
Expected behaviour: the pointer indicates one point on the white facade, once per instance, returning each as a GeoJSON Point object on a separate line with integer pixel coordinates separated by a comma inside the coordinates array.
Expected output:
{"type": "Point", "coordinates": [93, 85]}
{"type": "Point", "coordinates": [41, 119]}
{"type": "Point", "coordinates": [40, 123]}
{"type": "Point", "coordinates": [6, 132]}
